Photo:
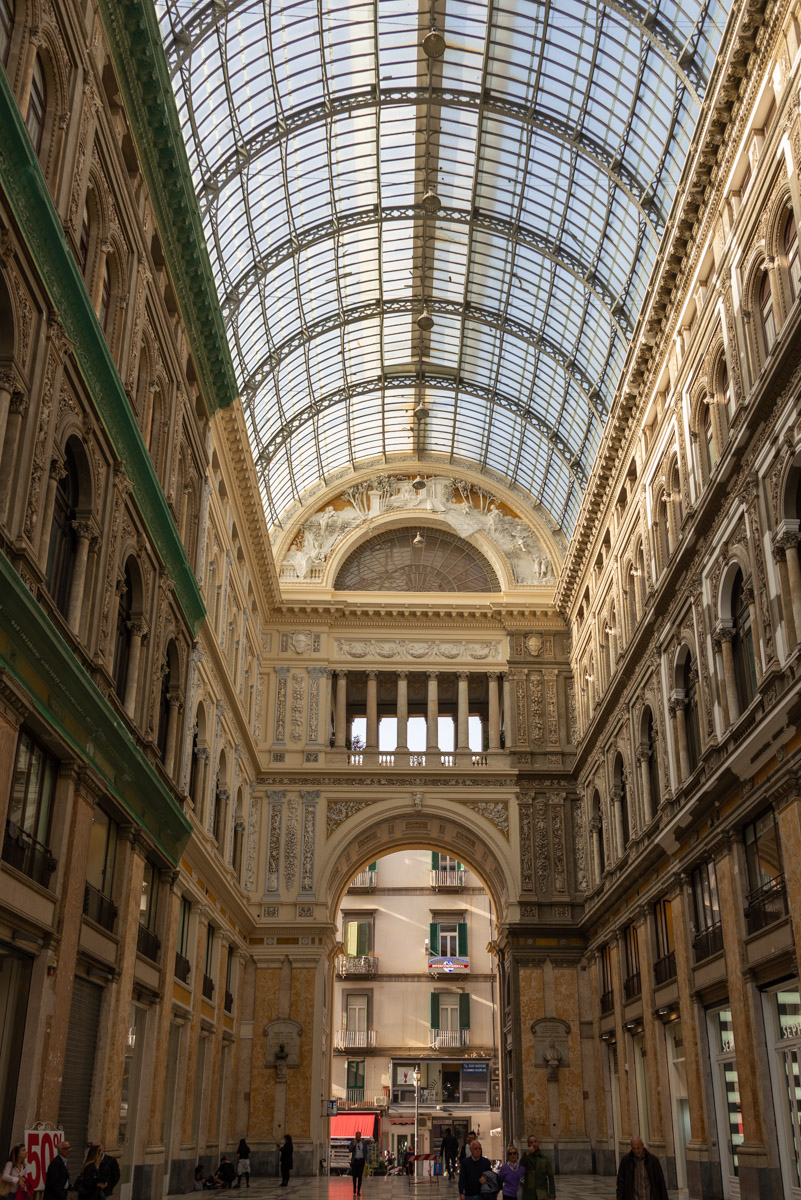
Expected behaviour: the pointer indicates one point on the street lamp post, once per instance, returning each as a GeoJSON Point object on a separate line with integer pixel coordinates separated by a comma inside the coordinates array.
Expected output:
{"type": "Point", "coordinates": [416, 1116]}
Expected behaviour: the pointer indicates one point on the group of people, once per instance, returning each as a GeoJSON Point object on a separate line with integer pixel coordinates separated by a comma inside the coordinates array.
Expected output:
{"type": "Point", "coordinates": [97, 1178]}
{"type": "Point", "coordinates": [226, 1173]}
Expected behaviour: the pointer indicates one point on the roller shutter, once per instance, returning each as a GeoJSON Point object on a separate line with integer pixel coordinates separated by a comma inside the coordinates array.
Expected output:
{"type": "Point", "coordinates": [79, 1062]}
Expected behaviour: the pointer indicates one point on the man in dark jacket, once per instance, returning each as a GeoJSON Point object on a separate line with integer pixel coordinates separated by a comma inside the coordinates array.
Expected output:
{"type": "Point", "coordinates": [640, 1175]}
{"type": "Point", "coordinates": [449, 1149]}
{"type": "Point", "coordinates": [57, 1178]}
{"type": "Point", "coordinates": [108, 1172]}
{"type": "Point", "coordinates": [538, 1181]}
{"type": "Point", "coordinates": [471, 1172]}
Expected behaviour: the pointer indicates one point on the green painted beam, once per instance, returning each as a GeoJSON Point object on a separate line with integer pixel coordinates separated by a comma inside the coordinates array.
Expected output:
{"type": "Point", "coordinates": [21, 178]}
{"type": "Point", "coordinates": [36, 655]}
{"type": "Point", "coordinates": [143, 75]}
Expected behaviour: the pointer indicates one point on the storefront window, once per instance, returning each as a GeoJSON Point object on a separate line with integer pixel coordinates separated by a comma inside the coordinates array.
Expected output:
{"type": "Point", "coordinates": [783, 1022]}
{"type": "Point", "coordinates": [730, 1119]}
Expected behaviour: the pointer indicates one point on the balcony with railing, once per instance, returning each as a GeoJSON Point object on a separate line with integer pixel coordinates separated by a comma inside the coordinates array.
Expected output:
{"type": "Point", "coordinates": [766, 905]}
{"type": "Point", "coordinates": [665, 968]}
{"type": "Point", "coordinates": [354, 1039]}
{"type": "Point", "coordinates": [183, 968]}
{"type": "Point", "coordinates": [228, 1002]}
{"type": "Point", "coordinates": [99, 908]}
{"type": "Point", "coordinates": [208, 988]}
{"type": "Point", "coordinates": [708, 942]}
{"type": "Point", "coordinates": [365, 881]}
{"type": "Point", "coordinates": [147, 943]}
{"type": "Point", "coordinates": [607, 1001]}
{"type": "Point", "coordinates": [356, 964]}
{"type": "Point", "coordinates": [25, 854]}
{"type": "Point", "coordinates": [448, 1039]}
{"type": "Point", "coordinates": [434, 758]}
{"type": "Point", "coordinates": [448, 879]}
{"type": "Point", "coordinates": [632, 986]}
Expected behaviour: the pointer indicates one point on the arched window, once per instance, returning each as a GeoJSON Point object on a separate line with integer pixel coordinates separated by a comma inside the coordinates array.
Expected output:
{"type": "Point", "coordinates": [164, 711]}
{"type": "Point", "coordinates": [631, 600]}
{"type": "Point", "coordinates": [727, 393]}
{"type": "Point", "coordinates": [37, 105]}
{"type": "Point", "coordinates": [707, 438]}
{"type": "Point", "coordinates": [791, 256]}
{"type": "Point", "coordinates": [105, 299]}
{"type": "Point", "coordinates": [742, 644]}
{"type": "Point", "coordinates": [239, 829]}
{"type": "Point", "coordinates": [766, 315]}
{"type": "Point", "coordinates": [122, 641]}
{"type": "Point", "coordinates": [653, 760]}
{"type": "Point", "coordinates": [63, 543]}
{"type": "Point", "coordinates": [6, 26]}
{"type": "Point", "coordinates": [692, 721]}
{"type": "Point", "coordinates": [624, 812]}
{"type": "Point", "coordinates": [83, 244]}
{"type": "Point", "coordinates": [663, 532]}
{"type": "Point", "coordinates": [599, 825]}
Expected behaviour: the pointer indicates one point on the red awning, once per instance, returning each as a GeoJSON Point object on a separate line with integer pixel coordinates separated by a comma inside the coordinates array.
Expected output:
{"type": "Point", "coordinates": [349, 1124]}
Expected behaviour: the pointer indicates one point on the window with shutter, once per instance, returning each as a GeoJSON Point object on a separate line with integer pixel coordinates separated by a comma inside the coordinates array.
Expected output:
{"type": "Point", "coordinates": [464, 1011]}
{"type": "Point", "coordinates": [433, 938]}
{"type": "Point", "coordinates": [435, 1010]}
{"type": "Point", "coordinates": [357, 938]}
{"type": "Point", "coordinates": [461, 931]}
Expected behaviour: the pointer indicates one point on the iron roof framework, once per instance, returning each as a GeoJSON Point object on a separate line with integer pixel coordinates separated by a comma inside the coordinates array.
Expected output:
{"type": "Point", "coordinates": [554, 136]}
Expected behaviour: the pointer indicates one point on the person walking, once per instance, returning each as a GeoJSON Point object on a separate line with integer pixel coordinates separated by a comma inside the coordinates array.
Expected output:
{"type": "Point", "coordinates": [89, 1185]}
{"type": "Point", "coordinates": [539, 1183]}
{"type": "Point", "coordinates": [639, 1176]}
{"type": "Point", "coordinates": [108, 1172]}
{"type": "Point", "coordinates": [464, 1149]}
{"type": "Point", "coordinates": [471, 1171]}
{"type": "Point", "coordinates": [242, 1163]}
{"type": "Point", "coordinates": [511, 1173]}
{"type": "Point", "coordinates": [358, 1157]}
{"type": "Point", "coordinates": [286, 1160]}
{"type": "Point", "coordinates": [14, 1172]}
{"type": "Point", "coordinates": [57, 1176]}
{"type": "Point", "coordinates": [449, 1150]}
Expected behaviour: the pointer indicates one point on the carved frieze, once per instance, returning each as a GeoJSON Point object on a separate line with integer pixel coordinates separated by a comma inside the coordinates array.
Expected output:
{"type": "Point", "coordinates": [558, 844]}
{"type": "Point", "coordinates": [280, 703]}
{"type": "Point", "coordinates": [406, 648]}
{"type": "Point", "coordinates": [291, 843]}
{"type": "Point", "coordinates": [542, 856]}
{"type": "Point", "coordinates": [579, 846]}
{"type": "Point", "coordinates": [535, 708]}
{"type": "Point", "coordinates": [298, 699]}
{"type": "Point", "coordinates": [274, 840]}
{"type": "Point", "coordinates": [526, 862]}
{"type": "Point", "coordinates": [309, 828]}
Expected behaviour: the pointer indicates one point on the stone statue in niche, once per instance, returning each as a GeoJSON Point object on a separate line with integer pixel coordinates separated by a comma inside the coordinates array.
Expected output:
{"type": "Point", "coordinates": [467, 510]}
{"type": "Point", "coordinates": [553, 1057]}
{"type": "Point", "coordinates": [283, 1047]}
{"type": "Point", "coordinates": [551, 1045]}
{"type": "Point", "coordinates": [280, 1063]}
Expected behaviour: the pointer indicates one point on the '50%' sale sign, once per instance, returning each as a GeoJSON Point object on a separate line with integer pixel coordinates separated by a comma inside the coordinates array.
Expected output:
{"type": "Point", "coordinates": [42, 1146]}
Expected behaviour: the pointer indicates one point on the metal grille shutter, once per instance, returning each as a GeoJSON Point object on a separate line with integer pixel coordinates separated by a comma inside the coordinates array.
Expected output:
{"type": "Point", "coordinates": [79, 1063]}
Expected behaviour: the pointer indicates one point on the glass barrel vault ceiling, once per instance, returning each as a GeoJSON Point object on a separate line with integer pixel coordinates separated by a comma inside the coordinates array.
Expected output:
{"type": "Point", "coordinates": [553, 135]}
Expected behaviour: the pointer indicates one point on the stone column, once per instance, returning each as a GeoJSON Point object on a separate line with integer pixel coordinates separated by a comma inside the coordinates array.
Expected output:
{"type": "Point", "coordinates": [176, 705]}
{"type": "Point", "coordinates": [677, 703]}
{"type": "Point", "coordinates": [432, 715]}
{"type": "Point", "coordinates": [103, 251]}
{"type": "Point", "coordinates": [790, 540]}
{"type": "Point", "coordinates": [341, 716]}
{"type": "Point", "coordinates": [138, 634]}
{"type": "Point", "coordinates": [788, 815]}
{"type": "Point", "coordinates": [654, 1078]}
{"type": "Point", "coordinates": [7, 384]}
{"type": "Point", "coordinates": [371, 738]}
{"type": "Point", "coordinates": [725, 637]}
{"type": "Point", "coordinates": [645, 780]}
{"type": "Point", "coordinates": [57, 472]}
{"type": "Point", "coordinates": [402, 709]}
{"type": "Point", "coordinates": [84, 532]}
{"type": "Point", "coordinates": [617, 809]}
{"type": "Point", "coordinates": [782, 570]}
{"type": "Point", "coordinates": [163, 1017]}
{"type": "Point", "coordinates": [756, 626]}
{"type": "Point", "coordinates": [746, 1022]}
{"type": "Point", "coordinates": [16, 412]}
{"type": "Point", "coordinates": [12, 714]}
{"type": "Point", "coordinates": [494, 711]}
{"type": "Point", "coordinates": [595, 828]}
{"type": "Point", "coordinates": [507, 711]}
{"type": "Point", "coordinates": [463, 757]}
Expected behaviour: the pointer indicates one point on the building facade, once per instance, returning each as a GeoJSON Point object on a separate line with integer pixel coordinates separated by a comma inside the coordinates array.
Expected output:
{"type": "Point", "coordinates": [610, 722]}
{"type": "Point", "coordinates": [415, 989]}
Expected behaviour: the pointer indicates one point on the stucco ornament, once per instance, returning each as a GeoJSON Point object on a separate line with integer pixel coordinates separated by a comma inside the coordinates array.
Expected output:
{"type": "Point", "coordinates": [404, 649]}
{"type": "Point", "coordinates": [468, 510]}
{"type": "Point", "coordinates": [339, 811]}
{"type": "Point", "coordinates": [494, 811]}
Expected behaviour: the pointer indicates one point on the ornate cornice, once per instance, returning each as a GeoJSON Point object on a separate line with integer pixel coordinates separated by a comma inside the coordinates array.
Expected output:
{"type": "Point", "coordinates": [136, 47]}
{"type": "Point", "coordinates": [40, 227]}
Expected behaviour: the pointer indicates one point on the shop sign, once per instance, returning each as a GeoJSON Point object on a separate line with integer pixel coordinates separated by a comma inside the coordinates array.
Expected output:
{"type": "Point", "coordinates": [448, 966]}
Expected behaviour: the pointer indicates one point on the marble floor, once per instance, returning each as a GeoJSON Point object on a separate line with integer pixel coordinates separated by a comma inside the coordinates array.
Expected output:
{"type": "Point", "coordinates": [568, 1187]}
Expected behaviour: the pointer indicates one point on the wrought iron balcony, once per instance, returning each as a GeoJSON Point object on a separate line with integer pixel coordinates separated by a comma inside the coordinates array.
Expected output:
{"type": "Point", "coordinates": [447, 879]}
{"type": "Point", "coordinates": [448, 1039]}
{"type": "Point", "coordinates": [766, 905]}
{"type": "Point", "coordinates": [632, 986]}
{"type": "Point", "coordinates": [148, 944]}
{"type": "Point", "coordinates": [183, 968]}
{"type": "Point", "coordinates": [208, 988]}
{"type": "Point", "coordinates": [228, 1002]}
{"type": "Point", "coordinates": [354, 1039]}
{"type": "Point", "coordinates": [608, 1001]}
{"type": "Point", "coordinates": [25, 854]}
{"type": "Point", "coordinates": [665, 968]}
{"type": "Point", "coordinates": [352, 964]}
{"type": "Point", "coordinates": [708, 942]}
{"type": "Point", "coordinates": [99, 908]}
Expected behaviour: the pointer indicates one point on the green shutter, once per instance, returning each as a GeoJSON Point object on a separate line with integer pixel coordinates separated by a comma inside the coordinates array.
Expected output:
{"type": "Point", "coordinates": [373, 867]}
{"type": "Point", "coordinates": [459, 866]}
{"type": "Point", "coordinates": [464, 1011]}
{"type": "Point", "coordinates": [433, 939]}
{"type": "Point", "coordinates": [461, 939]}
{"type": "Point", "coordinates": [434, 862]}
{"type": "Point", "coordinates": [435, 1010]}
{"type": "Point", "coordinates": [363, 939]}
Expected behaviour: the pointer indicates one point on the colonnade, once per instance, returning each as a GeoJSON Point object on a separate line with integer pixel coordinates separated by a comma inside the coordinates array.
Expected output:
{"type": "Point", "coordinates": [499, 707]}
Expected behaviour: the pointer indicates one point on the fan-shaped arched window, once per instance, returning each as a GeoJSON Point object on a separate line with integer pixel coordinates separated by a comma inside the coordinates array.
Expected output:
{"type": "Point", "coordinates": [63, 542]}
{"type": "Point", "coordinates": [742, 644]}
{"type": "Point", "coordinates": [409, 560]}
{"type": "Point", "coordinates": [122, 641]}
{"type": "Point", "coordinates": [766, 314]}
{"type": "Point", "coordinates": [6, 26]}
{"type": "Point", "coordinates": [37, 105]}
{"type": "Point", "coordinates": [692, 720]}
{"type": "Point", "coordinates": [791, 256]}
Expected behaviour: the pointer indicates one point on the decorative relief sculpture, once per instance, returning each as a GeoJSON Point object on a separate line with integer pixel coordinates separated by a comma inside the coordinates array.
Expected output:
{"type": "Point", "coordinates": [535, 707]}
{"type": "Point", "coordinates": [250, 861]}
{"type": "Point", "coordinates": [541, 850]}
{"type": "Point", "coordinates": [466, 508]}
{"type": "Point", "coordinates": [280, 705]}
{"type": "Point", "coordinates": [298, 697]}
{"type": "Point", "coordinates": [526, 868]}
{"type": "Point", "coordinates": [274, 842]}
{"type": "Point", "coordinates": [307, 853]}
{"type": "Point", "coordinates": [552, 710]}
{"type": "Point", "coordinates": [558, 842]}
{"type": "Point", "coordinates": [578, 841]}
{"type": "Point", "coordinates": [291, 843]}
{"type": "Point", "coordinates": [494, 811]}
{"type": "Point", "coordinates": [339, 811]}
{"type": "Point", "coordinates": [404, 648]}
